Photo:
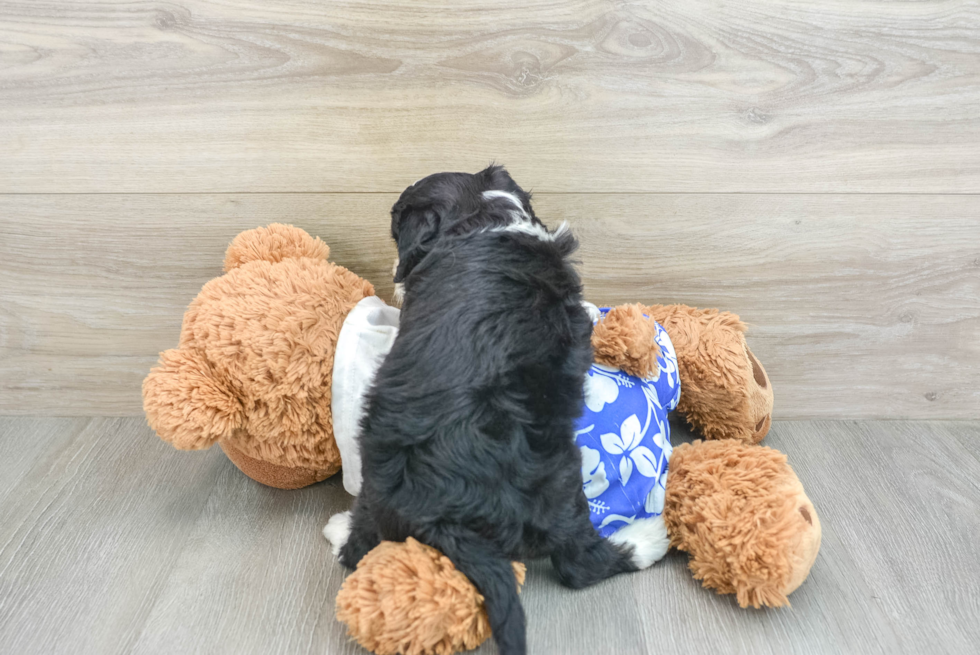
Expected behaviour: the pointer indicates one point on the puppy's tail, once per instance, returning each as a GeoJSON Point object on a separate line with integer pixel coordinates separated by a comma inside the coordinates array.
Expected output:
{"type": "Point", "coordinates": [493, 576]}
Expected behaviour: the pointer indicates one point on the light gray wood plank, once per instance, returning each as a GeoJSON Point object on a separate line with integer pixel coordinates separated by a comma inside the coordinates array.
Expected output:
{"type": "Point", "coordinates": [256, 575]}
{"type": "Point", "coordinates": [967, 433]}
{"type": "Point", "coordinates": [829, 613]}
{"type": "Point", "coordinates": [859, 306]}
{"type": "Point", "coordinates": [90, 533]}
{"type": "Point", "coordinates": [601, 619]}
{"type": "Point", "coordinates": [900, 499]}
{"type": "Point", "coordinates": [26, 439]}
{"type": "Point", "coordinates": [115, 543]}
{"type": "Point", "coordinates": [283, 95]}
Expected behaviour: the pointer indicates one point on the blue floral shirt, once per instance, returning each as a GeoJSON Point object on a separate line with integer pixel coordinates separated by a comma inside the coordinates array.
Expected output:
{"type": "Point", "coordinates": [624, 437]}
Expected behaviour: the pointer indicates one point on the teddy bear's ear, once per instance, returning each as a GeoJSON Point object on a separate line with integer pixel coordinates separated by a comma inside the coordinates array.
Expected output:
{"type": "Point", "coordinates": [186, 403]}
{"type": "Point", "coordinates": [626, 339]}
{"type": "Point", "coordinates": [273, 244]}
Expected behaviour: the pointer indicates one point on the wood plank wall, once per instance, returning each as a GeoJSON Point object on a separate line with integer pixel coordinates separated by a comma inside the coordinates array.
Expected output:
{"type": "Point", "coordinates": [814, 167]}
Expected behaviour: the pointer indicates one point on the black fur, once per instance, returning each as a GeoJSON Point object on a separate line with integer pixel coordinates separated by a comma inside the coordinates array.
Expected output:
{"type": "Point", "coordinates": [467, 439]}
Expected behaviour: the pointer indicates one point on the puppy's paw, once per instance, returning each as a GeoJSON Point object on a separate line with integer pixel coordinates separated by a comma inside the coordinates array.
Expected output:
{"type": "Point", "coordinates": [337, 531]}
{"type": "Point", "coordinates": [647, 538]}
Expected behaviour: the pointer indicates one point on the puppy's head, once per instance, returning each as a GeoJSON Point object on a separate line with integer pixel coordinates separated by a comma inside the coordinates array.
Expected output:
{"type": "Point", "coordinates": [452, 204]}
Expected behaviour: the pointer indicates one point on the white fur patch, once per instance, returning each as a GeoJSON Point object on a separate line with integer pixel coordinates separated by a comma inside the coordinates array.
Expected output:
{"type": "Point", "coordinates": [539, 231]}
{"type": "Point", "coordinates": [399, 296]}
{"type": "Point", "coordinates": [490, 195]}
{"type": "Point", "coordinates": [522, 222]}
{"type": "Point", "coordinates": [649, 540]}
{"type": "Point", "coordinates": [594, 313]}
{"type": "Point", "coordinates": [337, 531]}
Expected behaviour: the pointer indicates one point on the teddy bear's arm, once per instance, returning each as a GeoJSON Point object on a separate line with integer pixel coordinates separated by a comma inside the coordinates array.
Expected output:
{"type": "Point", "coordinates": [626, 339]}
{"type": "Point", "coordinates": [186, 403]}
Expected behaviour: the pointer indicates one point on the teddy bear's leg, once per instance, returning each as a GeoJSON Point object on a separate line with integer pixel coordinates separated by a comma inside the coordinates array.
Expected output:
{"type": "Point", "coordinates": [186, 401]}
{"type": "Point", "coordinates": [742, 515]}
{"type": "Point", "coordinates": [406, 597]}
{"type": "Point", "coordinates": [725, 391]}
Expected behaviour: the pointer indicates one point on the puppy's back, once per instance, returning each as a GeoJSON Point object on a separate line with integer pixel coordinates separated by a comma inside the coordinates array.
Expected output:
{"type": "Point", "coordinates": [486, 374]}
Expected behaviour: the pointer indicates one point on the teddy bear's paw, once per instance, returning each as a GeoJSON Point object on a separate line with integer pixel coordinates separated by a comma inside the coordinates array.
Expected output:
{"type": "Point", "coordinates": [626, 339]}
{"type": "Point", "coordinates": [337, 531]}
{"type": "Point", "coordinates": [647, 538]}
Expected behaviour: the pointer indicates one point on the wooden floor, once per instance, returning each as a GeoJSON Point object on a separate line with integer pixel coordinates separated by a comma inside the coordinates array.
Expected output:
{"type": "Point", "coordinates": [112, 542]}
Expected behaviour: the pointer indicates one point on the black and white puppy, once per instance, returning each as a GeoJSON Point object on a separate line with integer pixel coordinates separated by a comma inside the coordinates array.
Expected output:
{"type": "Point", "coordinates": [467, 439]}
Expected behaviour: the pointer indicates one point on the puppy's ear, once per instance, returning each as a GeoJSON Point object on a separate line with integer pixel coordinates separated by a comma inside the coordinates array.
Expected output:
{"type": "Point", "coordinates": [496, 177]}
{"type": "Point", "coordinates": [415, 231]}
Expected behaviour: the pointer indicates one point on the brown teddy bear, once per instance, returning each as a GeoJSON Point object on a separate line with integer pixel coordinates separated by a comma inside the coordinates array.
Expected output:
{"type": "Point", "coordinates": [275, 355]}
{"type": "Point", "coordinates": [255, 363]}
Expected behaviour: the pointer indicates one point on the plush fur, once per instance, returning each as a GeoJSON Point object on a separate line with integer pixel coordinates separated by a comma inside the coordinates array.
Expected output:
{"type": "Point", "coordinates": [625, 339]}
{"type": "Point", "coordinates": [254, 365]}
{"type": "Point", "coordinates": [467, 440]}
{"type": "Point", "coordinates": [408, 598]}
{"type": "Point", "coordinates": [725, 390]}
{"type": "Point", "coordinates": [744, 518]}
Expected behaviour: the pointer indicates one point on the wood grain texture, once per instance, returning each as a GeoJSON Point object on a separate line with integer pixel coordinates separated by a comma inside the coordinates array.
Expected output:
{"type": "Point", "coordinates": [112, 542]}
{"type": "Point", "coordinates": [581, 95]}
{"type": "Point", "coordinates": [90, 533]}
{"type": "Point", "coordinates": [256, 576]}
{"type": "Point", "coordinates": [859, 306]}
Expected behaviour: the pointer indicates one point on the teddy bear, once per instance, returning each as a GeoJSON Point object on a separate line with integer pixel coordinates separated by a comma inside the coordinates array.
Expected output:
{"type": "Point", "coordinates": [275, 357]}
{"type": "Point", "coordinates": [256, 369]}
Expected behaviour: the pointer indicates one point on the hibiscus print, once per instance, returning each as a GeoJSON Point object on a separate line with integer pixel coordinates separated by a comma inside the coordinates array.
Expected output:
{"type": "Point", "coordinates": [600, 389]}
{"type": "Point", "coordinates": [627, 443]}
{"type": "Point", "coordinates": [593, 472]}
{"type": "Point", "coordinates": [666, 363]}
{"type": "Point", "coordinates": [655, 499]}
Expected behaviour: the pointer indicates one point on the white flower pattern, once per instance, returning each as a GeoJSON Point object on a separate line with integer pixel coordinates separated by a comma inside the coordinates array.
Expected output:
{"type": "Point", "coordinates": [654, 503]}
{"type": "Point", "coordinates": [593, 472]}
{"type": "Point", "coordinates": [600, 389]}
{"type": "Point", "coordinates": [624, 440]}
{"type": "Point", "coordinates": [627, 443]}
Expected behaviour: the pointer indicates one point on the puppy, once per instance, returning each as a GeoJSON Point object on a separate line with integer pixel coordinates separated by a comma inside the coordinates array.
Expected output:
{"type": "Point", "coordinates": [467, 441]}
